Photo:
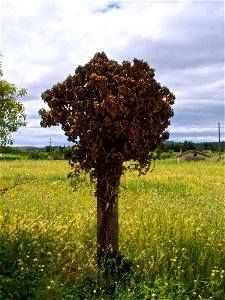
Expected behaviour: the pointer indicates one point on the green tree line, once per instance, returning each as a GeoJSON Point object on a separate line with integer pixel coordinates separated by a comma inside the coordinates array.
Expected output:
{"type": "Point", "coordinates": [188, 145]}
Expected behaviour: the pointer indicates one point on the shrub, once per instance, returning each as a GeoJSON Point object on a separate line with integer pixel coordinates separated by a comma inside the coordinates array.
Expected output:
{"type": "Point", "coordinates": [169, 154]}
{"type": "Point", "coordinates": [10, 157]}
{"type": "Point", "coordinates": [68, 153]}
{"type": "Point", "coordinates": [37, 155]}
{"type": "Point", "coordinates": [56, 154]}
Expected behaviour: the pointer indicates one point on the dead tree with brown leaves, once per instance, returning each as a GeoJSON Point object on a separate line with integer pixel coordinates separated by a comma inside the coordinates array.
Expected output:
{"type": "Point", "coordinates": [113, 113]}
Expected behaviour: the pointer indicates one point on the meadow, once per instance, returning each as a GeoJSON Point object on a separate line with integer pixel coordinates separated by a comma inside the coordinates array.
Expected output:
{"type": "Point", "coordinates": [172, 233]}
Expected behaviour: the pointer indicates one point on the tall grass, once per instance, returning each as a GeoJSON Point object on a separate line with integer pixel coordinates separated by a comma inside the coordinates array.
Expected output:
{"type": "Point", "coordinates": [172, 232]}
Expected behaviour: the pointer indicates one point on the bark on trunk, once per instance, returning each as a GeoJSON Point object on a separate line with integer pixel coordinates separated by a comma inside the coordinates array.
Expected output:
{"type": "Point", "coordinates": [108, 182]}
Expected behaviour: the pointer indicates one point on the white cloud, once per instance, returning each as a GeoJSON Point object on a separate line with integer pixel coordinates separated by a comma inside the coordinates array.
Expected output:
{"type": "Point", "coordinates": [44, 41]}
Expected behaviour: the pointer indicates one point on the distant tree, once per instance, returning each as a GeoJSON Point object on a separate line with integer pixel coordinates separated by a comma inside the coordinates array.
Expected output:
{"type": "Point", "coordinates": [47, 149]}
{"type": "Point", "coordinates": [68, 152]}
{"type": "Point", "coordinates": [188, 145]}
{"type": "Point", "coordinates": [8, 149]}
{"type": "Point", "coordinates": [208, 146]}
{"type": "Point", "coordinates": [56, 153]}
{"type": "Point", "coordinates": [113, 113]}
{"type": "Point", "coordinates": [12, 114]}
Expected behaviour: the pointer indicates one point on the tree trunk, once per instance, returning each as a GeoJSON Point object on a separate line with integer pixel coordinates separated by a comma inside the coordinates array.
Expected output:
{"type": "Point", "coordinates": [108, 182]}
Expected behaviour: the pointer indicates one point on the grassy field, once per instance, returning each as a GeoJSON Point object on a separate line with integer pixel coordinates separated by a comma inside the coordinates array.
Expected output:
{"type": "Point", "coordinates": [172, 231]}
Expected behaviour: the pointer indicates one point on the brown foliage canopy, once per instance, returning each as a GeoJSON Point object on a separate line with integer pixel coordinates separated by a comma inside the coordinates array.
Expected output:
{"type": "Point", "coordinates": [113, 112]}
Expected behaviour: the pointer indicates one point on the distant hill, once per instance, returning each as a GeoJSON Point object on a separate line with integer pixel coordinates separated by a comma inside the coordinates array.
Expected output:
{"type": "Point", "coordinates": [30, 148]}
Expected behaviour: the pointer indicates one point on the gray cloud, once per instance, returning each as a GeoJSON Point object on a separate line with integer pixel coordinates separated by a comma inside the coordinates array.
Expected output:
{"type": "Point", "coordinates": [44, 41]}
{"type": "Point", "coordinates": [37, 137]}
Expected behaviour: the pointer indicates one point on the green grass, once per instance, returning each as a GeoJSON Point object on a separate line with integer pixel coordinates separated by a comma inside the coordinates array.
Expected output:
{"type": "Point", "coordinates": [172, 230]}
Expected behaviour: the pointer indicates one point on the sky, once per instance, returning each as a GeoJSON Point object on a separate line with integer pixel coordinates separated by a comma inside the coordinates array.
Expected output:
{"type": "Point", "coordinates": [43, 41]}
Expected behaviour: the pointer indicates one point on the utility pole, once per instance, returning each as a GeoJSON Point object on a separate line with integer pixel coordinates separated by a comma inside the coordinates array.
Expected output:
{"type": "Point", "coordinates": [219, 146]}
{"type": "Point", "coordinates": [50, 145]}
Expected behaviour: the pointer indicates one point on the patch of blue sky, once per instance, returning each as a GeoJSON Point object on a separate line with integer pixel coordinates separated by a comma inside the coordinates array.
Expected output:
{"type": "Point", "coordinates": [108, 7]}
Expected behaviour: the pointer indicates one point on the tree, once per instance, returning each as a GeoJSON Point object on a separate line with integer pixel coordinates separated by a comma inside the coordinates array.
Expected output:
{"type": "Point", "coordinates": [68, 152]}
{"type": "Point", "coordinates": [12, 113]}
{"type": "Point", "coordinates": [56, 153]}
{"type": "Point", "coordinates": [113, 113]}
{"type": "Point", "coordinates": [208, 146]}
{"type": "Point", "coordinates": [188, 145]}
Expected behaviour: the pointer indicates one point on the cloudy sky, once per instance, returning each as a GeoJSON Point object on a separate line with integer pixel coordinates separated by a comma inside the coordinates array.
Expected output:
{"type": "Point", "coordinates": [43, 41]}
